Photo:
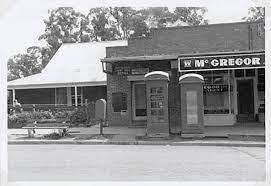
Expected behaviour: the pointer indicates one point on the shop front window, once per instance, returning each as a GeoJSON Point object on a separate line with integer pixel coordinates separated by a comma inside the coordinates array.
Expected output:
{"type": "Point", "coordinates": [216, 103]}
{"type": "Point", "coordinates": [216, 91]}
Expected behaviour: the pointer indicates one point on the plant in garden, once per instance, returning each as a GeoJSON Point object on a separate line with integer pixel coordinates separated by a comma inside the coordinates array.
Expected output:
{"type": "Point", "coordinates": [18, 120]}
{"type": "Point", "coordinates": [79, 115]}
{"type": "Point", "coordinates": [38, 115]}
{"type": "Point", "coordinates": [65, 114]}
{"type": "Point", "coordinates": [23, 117]}
{"type": "Point", "coordinates": [53, 135]}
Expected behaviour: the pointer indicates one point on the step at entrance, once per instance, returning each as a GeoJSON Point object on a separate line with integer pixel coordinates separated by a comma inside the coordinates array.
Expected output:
{"type": "Point", "coordinates": [245, 118]}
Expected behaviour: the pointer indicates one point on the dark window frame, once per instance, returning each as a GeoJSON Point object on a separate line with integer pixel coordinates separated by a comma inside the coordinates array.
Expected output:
{"type": "Point", "coordinates": [119, 101]}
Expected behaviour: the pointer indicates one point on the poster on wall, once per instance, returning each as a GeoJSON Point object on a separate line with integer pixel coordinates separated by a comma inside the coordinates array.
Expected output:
{"type": "Point", "coordinates": [157, 104]}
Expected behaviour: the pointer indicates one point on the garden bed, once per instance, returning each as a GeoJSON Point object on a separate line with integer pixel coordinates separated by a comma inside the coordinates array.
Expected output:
{"type": "Point", "coordinates": [75, 118]}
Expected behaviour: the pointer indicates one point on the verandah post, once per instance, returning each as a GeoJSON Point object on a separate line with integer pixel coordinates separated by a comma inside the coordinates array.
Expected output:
{"type": "Point", "coordinates": [75, 95]}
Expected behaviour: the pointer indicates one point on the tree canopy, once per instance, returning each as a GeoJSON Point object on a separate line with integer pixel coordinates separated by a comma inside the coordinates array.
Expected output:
{"type": "Point", "coordinates": [255, 14]}
{"type": "Point", "coordinates": [67, 25]}
{"type": "Point", "coordinates": [22, 65]}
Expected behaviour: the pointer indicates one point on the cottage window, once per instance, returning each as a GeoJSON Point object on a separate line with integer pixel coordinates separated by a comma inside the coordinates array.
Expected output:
{"type": "Point", "coordinates": [79, 96]}
{"type": "Point", "coordinates": [61, 96]}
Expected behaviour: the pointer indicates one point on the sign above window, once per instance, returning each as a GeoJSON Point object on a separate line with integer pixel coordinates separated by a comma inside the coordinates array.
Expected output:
{"type": "Point", "coordinates": [229, 61]}
{"type": "Point", "coordinates": [122, 70]}
{"type": "Point", "coordinates": [127, 70]}
{"type": "Point", "coordinates": [139, 71]}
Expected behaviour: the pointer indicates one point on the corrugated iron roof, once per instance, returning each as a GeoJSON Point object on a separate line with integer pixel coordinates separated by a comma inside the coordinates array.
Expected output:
{"type": "Point", "coordinates": [73, 64]}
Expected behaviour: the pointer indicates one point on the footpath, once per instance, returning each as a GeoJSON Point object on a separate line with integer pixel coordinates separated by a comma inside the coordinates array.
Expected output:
{"type": "Point", "coordinates": [242, 136]}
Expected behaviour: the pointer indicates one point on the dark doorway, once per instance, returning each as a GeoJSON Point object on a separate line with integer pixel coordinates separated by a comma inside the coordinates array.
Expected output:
{"type": "Point", "coordinates": [245, 100]}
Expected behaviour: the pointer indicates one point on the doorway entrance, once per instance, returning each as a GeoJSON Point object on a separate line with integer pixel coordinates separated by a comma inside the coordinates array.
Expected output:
{"type": "Point", "coordinates": [245, 100]}
{"type": "Point", "coordinates": [139, 102]}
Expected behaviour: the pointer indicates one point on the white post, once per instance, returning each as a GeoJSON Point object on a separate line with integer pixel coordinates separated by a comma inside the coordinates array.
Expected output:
{"type": "Point", "coordinates": [13, 97]}
{"type": "Point", "coordinates": [75, 95]}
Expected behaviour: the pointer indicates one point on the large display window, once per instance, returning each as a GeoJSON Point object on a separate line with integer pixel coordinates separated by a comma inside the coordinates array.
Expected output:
{"type": "Point", "coordinates": [217, 92]}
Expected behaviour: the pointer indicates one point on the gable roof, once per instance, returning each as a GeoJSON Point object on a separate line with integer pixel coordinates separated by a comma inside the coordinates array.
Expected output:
{"type": "Point", "coordinates": [73, 64]}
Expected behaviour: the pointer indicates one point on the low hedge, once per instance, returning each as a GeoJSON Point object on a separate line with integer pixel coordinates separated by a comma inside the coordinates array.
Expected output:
{"type": "Point", "coordinates": [76, 117]}
{"type": "Point", "coordinates": [65, 114]}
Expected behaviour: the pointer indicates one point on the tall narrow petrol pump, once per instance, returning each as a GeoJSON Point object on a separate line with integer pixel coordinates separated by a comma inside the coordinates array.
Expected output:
{"type": "Point", "coordinates": [191, 93]}
{"type": "Point", "coordinates": [100, 113]}
{"type": "Point", "coordinates": [157, 104]}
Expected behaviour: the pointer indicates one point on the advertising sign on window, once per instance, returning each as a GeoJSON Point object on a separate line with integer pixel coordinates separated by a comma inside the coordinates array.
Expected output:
{"type": "Point", "coordinates": [215, 88]}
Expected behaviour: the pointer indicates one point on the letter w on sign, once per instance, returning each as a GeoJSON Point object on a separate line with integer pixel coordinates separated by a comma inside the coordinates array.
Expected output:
{"type": "Point", "coordinates": [187, 63]}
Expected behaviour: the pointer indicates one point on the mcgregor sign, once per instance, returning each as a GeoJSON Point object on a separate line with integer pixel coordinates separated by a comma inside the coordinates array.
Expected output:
{"type": "Point", "coordinates": [221, 61]}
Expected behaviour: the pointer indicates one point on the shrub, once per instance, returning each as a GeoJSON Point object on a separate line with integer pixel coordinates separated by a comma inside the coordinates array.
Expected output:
{"type": "Point", "coordinates": [42, 115]}
{"type": "Point", "coordinates": [53, 135]}
{"type": "Point", "coordinates": [23, 117]}
{"type": "Point", "coordinates": [12, 118]}
{"type": "Point", "coordinates": [19, 120]}
{"type": "Point", "coordinates": [63, 114]}
{"type": "Point", "coordinates": [78, 116]}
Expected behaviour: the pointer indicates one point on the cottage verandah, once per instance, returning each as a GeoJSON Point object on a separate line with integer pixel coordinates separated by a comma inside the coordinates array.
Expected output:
{"type": "Point", "coordinates": [72, 78]}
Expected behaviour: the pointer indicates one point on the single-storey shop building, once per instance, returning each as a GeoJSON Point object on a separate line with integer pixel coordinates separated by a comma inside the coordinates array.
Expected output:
{"type": "Point", "coordinates": [229, 56]}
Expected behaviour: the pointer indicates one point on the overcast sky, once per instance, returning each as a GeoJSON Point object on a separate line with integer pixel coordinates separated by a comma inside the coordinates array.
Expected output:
{"type": "Point", "coordinates": [21, 21]}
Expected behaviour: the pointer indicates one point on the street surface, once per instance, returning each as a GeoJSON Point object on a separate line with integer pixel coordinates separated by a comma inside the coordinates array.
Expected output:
{"type": "Point", "coordinates": [134, 163]}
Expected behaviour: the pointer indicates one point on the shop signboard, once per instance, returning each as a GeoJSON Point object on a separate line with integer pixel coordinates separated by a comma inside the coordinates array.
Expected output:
{"type": "Point", "coordinates": [122, 70]}
{"type": "Point", "coordinates": [224, 62]}
{"type": "Point", "coordinates": [127, 70]}
{"type": "Point", "coordinates": [139, 71]}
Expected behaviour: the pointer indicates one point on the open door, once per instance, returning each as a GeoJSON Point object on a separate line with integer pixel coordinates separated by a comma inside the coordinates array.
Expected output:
{"type": "Point", "coordinates": [245, 100]}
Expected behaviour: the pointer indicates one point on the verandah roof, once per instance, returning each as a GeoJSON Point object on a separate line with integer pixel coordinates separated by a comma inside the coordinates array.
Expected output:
{"type": "Point", "coordinates": [73, 64]}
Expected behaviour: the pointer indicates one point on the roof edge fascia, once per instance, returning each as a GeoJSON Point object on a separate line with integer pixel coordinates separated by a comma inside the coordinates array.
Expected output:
{"type": "Point", "coordinates": [56, 85]}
